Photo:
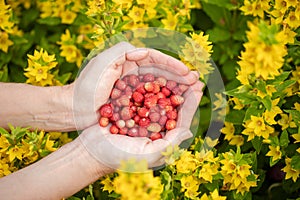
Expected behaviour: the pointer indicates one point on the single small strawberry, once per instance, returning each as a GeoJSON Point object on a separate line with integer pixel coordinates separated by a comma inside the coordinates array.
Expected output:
{"type": "Point", "coordinates": [156, 88]}
{"type": "Point", "coordinates": [151, 101]}
{"type": "Point", "coordinates": [160, 95]}
{"type": "Point", "coordinates": [123, 131]}
{"type": "Point", "coordinates": [128, 91]}
{"type": "Point", "coordinates": [171, 114]}
{"type": "Point", "coordinates": [133, 132]}
{"type": "Point", "coordinates": [148, 77]}
{"type": "Point", "coordinates": [176, 100]}
{"type": "Point", "coordinates": [170, 124]}
{"type": "Point", "coordinates": [162, 120]}
{"type": "Point", "coordinates": [144, 122]}
{"type": "Point", "coordinates": [176, 90]}
{"type": "Point", "coordinates": [161, 81]}
{"type": "Point", "coordinates": [141, 88]}
{"type": "Point", "coordinates": [149, 86]}
{"type": "Point", "coordinates": [143, 132]}
{"type": "Point", "coordinates": [183, 87]}
{"type": "Point", "coordinates": [136, 119]}
{"type": "Point", "coordinates": [129, 123]}
{"type": "Point", "coordinates": [103, 121]}
{"type": "Point", "coordinates": [155, 136]}
{"type": "Point", "coordinates": [106, 110]}
{"type": "Point", "coordinates": [115, 117]}
{"type": "Point", "coordinates": [154, 116]}
{"type": "Point", "coordinates": [121, 84]}
{"type": "Point", "coordinates": [163, 102]}
{"type": "Point", "coordinates": [126, 113]}
{"type": "Point", "coordinates": [114, 129]}
{"type": "Point", "coordinates": [123, 100]}
{"type": "Point", "coordinates": [143, 112]}
{"type": "Point", "coordinates": [115, 93]}
{"type": "Point", "coordinates": [171, 84]}
{"type": "Point", "coordinates": [168, 108]}
{"type": "Point", "coordinates": [120, 123]}
{"type": "Point", "coordinates": [138, 97]}
{"type": "Point", "coordinates": [166, 91]}
{"type": "Point", "coordinates": [154, 127]}
{"type": "Point", "coordinates": [133, 80]}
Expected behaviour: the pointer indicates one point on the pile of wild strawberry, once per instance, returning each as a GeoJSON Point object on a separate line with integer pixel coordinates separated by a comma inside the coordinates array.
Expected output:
{"type": "Point", "coordinates": [143, 106]}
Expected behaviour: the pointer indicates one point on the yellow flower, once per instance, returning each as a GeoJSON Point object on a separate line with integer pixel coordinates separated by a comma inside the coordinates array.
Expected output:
{"type": "Point", "coordinates": [4, 169]}
{"type": "Point", "coordinates": [238, 105]}
{"type": "Point", "coordinates": [292, 3]}
{"type": "Point", "coordinates": [257, 124]}
{"type": "Point", "coordinates": [15, 152]}
{"type": "Point", "coordinates": [207, 171]}
{"type": "Point", "coordinates": [68, 17]}
{"type": "Point", "coordinates": [171, 21]}
{"type": "Point", "coordinates": [186, 163]}
{"type": "Point", "coordinates": [237, 140]}
{"type": "Point", "coordinates": [4, 144]}
{"type": "Point", "coordinates": [108, 184]}
{"type": "Point", "coordinates": [215, 195]}
{"type": "Point", "coordinates": [275, 153]}
{"type": "Point", "coordinates": [297, 140]}
{"type": "Point", "coordinates": [286, 121]}
{"type": "Point", "coordinates": [281, 5]}
{"type": "Point", "coordinates": [95, 6]}
{"type": "Point", "coordinates": [72, 54]}
{"type": "Point", "coordinates": [290, 172]}
{"type": "Point", "coordinates": [190, 186]}
{"type": "Point", "coordinates": [228, 130]}
{"type": "Point", "coordinates": [136, 14]}
{"type": "Point", "coordinates": [5, 42]}
{"type": "Point", "coordinates": [292, 20]}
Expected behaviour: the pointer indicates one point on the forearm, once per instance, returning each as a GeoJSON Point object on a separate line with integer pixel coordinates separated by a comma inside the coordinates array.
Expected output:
{"type": "Point", "coordinates": [47, 108]}
{"type": "Point", "coordinates": [59, 175]}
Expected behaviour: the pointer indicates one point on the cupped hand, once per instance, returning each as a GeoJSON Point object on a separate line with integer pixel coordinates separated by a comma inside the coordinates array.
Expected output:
{"type": "Point", "coordinates": [93, 86]}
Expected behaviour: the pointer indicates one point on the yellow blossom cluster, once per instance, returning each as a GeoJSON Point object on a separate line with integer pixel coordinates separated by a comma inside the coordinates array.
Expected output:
{"type": "Point", "coordinates": [66, 10]}
{"type": "Point", "coordinates": [237, 176]}
{"type": "Point", "coordinates": [290, 172]}
{"type": "Point", "coordinates": [134, 181]}
{"type": "Point", "coordinates": [20, 147]}
{"type": "Point", "coordinates": [263, 55]}
{"type": "Point", "coordinates": [256, 126]}
{"type": "Point", "coordinates": [196, 53]}
{"type": "Point", "coordinates": [6, 26]}
{"type": "Point", "coordinates": [38, 70]}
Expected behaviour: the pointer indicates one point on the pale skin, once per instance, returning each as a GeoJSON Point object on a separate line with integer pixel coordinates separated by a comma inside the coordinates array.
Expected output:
{"type": "Point", "coordinates": [87, 158]}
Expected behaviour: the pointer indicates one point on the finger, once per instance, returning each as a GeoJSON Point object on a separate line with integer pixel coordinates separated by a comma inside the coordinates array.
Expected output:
{"type": "Point", "coordinates": [164, 61]}
{"type": "Point", "coordinates": [187, 79]}
{"type": "Point", "coordinates": [192, 99]}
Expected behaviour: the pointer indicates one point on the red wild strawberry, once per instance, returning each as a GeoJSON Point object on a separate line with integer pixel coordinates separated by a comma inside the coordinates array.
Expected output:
{"type": "Point", "coordinates": [151, 101]}
{"type": "Point", "coordinates": [170, 124]}
{"type": "Point", "coordinates": [126, 113]}
{"type": "Point", "coordinates": [128, 91]}
{"type": "Point", "coordinates": [114, 129]}
{"type": "Point", "coordinates": [123, 131]}
{"type": "Point", "coordinates": [154, 127]}
{"type": "Point", "coordinates": [148, 77]}
{"type": "Point", "coordinates": [171, 84]}
{"type": "Point", "coordinates": [123, 100]}
{"type": "Point", "coordinates": [121, 84]}
{"type": "Point", "coordinates": [136, 119]}
{"type": "Point", "coordinates": [156, 88]}
{"type": "Point", "coordinates": [115, 117]}
{"type": "Point", "coordinates": [176, 100]}
{"type": "Point", "coordinates": [171, 114]}
{"type": "Point", "coordinates": [168, 108]}
{"type": "Point", "coordinates": [138, 97]}
{"type": "Point", "coordinates": [133, 80]}
{"type": "Point", "coordinates": [116, 109]}
{"type": "Point", "coordinates": [143, 132]}
{"type": "Point", "coordinates": [176, 90]}
{"type": "Point", "coordinates": [155, 136]}
{"type": "Point", "coordinates": [154, 116]}
{"type": "Point", "coordinates": [144, 121]}
{"type": "Point", "coordinates": [103, 121]}
{"type": "Point", "coordinates": [163, 102]}
{"type": "Point", "coordinates": [133, 132]}
{"type": "Point", "coordinates": [141, 88]}
{"type": "Point", "coordinates": [115, 93]}
{"type": "Point", "coordinates": [106, 110]}
{"type": "Point", "coordinates": [148, 95]}
{"type": "Point", "coordinates": [130, 123]}
{"type": "Point", "coordinates": [162, 121]}
{"type": "Point", "coordinates": [166, 91]}
{"type": "Point", "coordinates": [160, 95]}
{"type": "Point", "coordinates": [149, 86]}
{"type": "Point", "coordinates": [161, 81]}
{"type": "Point", "coordinates": [133, 108]}
{"type": "Point", "coordinates": [143, 112]}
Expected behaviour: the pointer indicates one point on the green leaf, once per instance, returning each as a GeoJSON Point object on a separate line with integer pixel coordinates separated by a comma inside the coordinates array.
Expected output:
{"type": "Point", "coordinates": [218, 34]}
{"type": "Point", "coordinates": [51, 21]}
{"type": "Point", "coordinates": [279, 79]}
{"type": "Point", "coordinates": [204, 100]}
{"type": "Point", "coordinates": [257, 144]}
{"type": "Point", "coordinates": [229, 4]}
{"type": "Point", "coordinates": [4, 74]}
{"type": "Point", "coordinates": [261, 85]}
{"type": "Point", "coordinates": [284, 139]}
{"type": "Point", "coordinates": [295, 115]}
{"type": "Point", "coordinates": [235, 116]}
{"type": "Point", "coordinates": [295, 162]}
{"type": "Point", "coordinates": [281, 87]}
{"type": "Point", "coordinates": [253, 109]}
{"type": "Point", "coordinates": [267, 102]}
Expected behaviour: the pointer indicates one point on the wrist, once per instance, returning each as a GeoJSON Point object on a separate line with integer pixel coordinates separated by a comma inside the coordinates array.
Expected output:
{"type": "Point", "coordinates": [94, 167]}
